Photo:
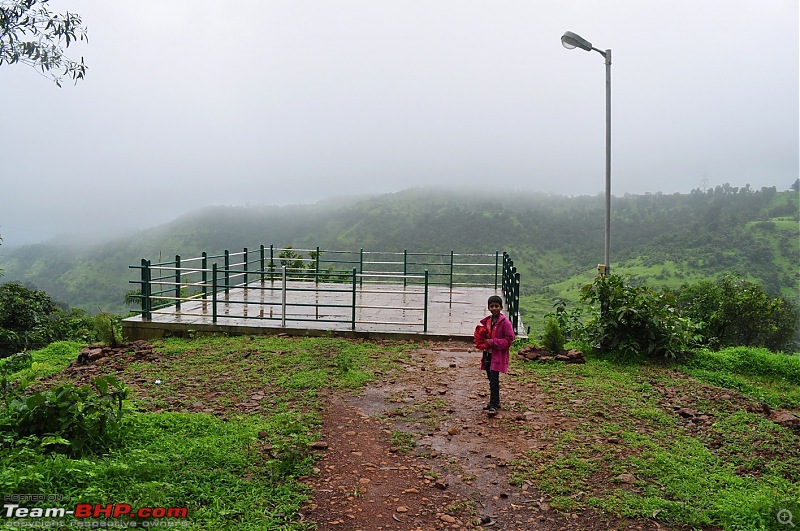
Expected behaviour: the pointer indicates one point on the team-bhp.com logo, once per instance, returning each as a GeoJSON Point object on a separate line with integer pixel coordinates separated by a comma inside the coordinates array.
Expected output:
{"type": "Point", "coordinates": [83, 513]}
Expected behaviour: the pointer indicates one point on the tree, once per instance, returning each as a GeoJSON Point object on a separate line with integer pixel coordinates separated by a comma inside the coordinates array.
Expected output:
{"type": "Point", "coordinates": [33, 35]}
{"type": "Point", "coordinates": [30, 319]}
{"type": "Point", "coordinates": [736, 312]}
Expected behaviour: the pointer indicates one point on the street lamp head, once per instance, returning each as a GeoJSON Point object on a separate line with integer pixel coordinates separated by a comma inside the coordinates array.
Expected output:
{"type": "Point", "coordinates": [571, 41]}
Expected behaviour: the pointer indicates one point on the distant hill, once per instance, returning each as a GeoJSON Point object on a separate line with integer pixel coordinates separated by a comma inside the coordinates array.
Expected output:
{"type": "Point", "coordinates": [556, 241]}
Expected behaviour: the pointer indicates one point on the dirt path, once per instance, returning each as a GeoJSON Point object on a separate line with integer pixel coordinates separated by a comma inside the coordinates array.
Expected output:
{"type": "Point", "coordinates": [417, 452]}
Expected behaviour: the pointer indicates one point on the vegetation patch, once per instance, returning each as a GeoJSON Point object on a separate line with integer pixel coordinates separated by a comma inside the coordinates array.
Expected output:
{"type": "Point", "coordinates": [220, 426]}
{"type": "Point", "coordinates": [653, 442]}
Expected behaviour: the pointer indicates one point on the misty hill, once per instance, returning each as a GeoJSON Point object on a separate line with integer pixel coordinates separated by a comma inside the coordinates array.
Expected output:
{"type": "Point", "coordinates": [555, 241]}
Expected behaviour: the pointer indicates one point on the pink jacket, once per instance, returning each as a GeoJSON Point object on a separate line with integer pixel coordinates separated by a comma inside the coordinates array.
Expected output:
{"type": "Point", "coordinates": [500, 339]}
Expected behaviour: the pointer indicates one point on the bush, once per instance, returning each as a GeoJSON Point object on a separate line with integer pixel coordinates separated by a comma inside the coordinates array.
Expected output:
{"type": "Point", "coordinates": [635, 321]}
{"type": "Point", "coordinates": [553, 336]}
{"type": "Point", "coordinates": [735, 312]}
{"type": "Point", "coordinates": [29, 319]}
{"type": "Point", "coordinates": [75, 420]}
{"type": "Point", "coordinates": [109, 329]}
{"type": "Point", "coordinates": [24, 318]}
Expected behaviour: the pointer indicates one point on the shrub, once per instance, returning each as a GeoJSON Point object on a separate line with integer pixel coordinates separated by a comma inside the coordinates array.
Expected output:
{"type": "Point", "coordinates": [569, 321]}
{"type": "Point", "coordinates": [24, 318]}
{"type": "Point", "coordinates": [108, 328]}
{"type": "Point", "coordinates": [29, 319]}
{"type": "Point", "coordinates": [635, 321]}
{"type": "Point", "coordinates": [67, 418]}
{"type": "Point", "coordinates": [736, 312]}
{"type": "Point", "coordinates": [553, 336]}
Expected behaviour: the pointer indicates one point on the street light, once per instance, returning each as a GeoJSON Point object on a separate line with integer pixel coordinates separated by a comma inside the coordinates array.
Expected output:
{"type": "Point", "coordinates": [571, 41]}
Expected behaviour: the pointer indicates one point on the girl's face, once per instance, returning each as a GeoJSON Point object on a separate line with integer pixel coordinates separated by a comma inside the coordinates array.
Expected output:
{"type": "Point", "coordinates": [495, 309]}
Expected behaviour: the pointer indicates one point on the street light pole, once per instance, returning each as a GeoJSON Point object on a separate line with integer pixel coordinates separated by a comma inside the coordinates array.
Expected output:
{"type": "Point", "coordinates": [607, 55]}
{"type": "Point", "coordinates": [570, 41]}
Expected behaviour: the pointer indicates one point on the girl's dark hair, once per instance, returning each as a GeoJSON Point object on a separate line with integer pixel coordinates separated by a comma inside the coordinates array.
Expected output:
{"type": "Point", "coordinates": [495, 299]}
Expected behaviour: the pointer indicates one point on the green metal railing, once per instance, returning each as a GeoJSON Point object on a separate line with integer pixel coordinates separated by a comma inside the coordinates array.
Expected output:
{"type": "Point", "coordinates": [268, 274]}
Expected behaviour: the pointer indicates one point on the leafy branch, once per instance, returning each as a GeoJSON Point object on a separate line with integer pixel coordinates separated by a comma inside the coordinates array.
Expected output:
{"type": "Point", "coordinates": [31, 34]}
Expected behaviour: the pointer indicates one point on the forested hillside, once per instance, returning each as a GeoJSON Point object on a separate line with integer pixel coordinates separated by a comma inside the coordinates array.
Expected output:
{"type": "Point", "coordinates": [556, 242]}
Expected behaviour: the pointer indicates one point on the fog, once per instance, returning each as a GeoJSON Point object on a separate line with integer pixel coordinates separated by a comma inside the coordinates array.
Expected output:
{"type": "Point", "coordinates": [191, 103]}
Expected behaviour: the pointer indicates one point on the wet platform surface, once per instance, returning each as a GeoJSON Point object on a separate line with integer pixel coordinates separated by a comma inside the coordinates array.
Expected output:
{"type": "Point", "coordinates": [381, 310]}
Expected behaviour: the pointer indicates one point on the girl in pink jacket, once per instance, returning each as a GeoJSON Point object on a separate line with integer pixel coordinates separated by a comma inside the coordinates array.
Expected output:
{"type": "Point", "coordinates": [495, 339]}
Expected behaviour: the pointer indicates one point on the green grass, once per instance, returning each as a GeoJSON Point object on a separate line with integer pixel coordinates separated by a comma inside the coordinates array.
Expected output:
{"type": "Point", "coordinates": [767, 376]}
{"type": "Point", "coordinates": [49, 360]}
{"type": "Point", "coordinates": [233, 470]}
{"type": "Point", "coordinates": [730, 475]}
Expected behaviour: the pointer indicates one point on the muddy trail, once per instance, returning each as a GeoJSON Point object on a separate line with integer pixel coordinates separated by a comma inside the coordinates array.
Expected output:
{"type": "Point", "coordinates": [416, 451]}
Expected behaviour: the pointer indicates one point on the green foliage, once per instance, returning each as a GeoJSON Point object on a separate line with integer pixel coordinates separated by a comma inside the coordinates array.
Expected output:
{"type": "Point", "coordinates": [570, 322]}
{"type": "Point", "coordinates": [553, 336]}
{"type": "Point", "coordinates": [16, 362]}
{"type": "Point", "coordinates": [29, 319]}
{"type": "Point", "coordinates": [109, 328]}
{"type": "Point", "coordinates": [24, 318]}
{"type": "Point", "coordinates": [67, 418]}
{"type": "Point", "coordinates": [72, 324]}
{"type": "Point", "coordinates": [634, 321]}
{"type": "Point", "coordinates": [736, 312]}
{"type": "Point", "coordinates": [31, 34]}
{"type": "Point", "coordinates": [45, 362]}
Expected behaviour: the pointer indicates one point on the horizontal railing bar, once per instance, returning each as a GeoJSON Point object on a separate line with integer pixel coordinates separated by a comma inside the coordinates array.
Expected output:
{"type": "Point", "coordinates": [420, 292]}
{"type": "Point", "coordinates": [389, 323]}
{"type": "Point", "coordinates": [389, 308]}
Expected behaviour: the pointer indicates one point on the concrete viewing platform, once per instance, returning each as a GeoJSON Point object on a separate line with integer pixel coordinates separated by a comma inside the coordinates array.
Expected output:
{"type": "Point", "coordinates": [388, 311]}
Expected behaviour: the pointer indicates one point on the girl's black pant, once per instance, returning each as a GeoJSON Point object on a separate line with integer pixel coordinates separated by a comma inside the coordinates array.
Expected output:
{"type": "Point", "coordinates": [494, 387]}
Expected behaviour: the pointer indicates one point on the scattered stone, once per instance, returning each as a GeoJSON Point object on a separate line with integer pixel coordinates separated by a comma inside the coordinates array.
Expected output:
{"type": "Point", "coordinates": [535, 353]}
{"type": "Point", "coordinates": [452, 430]}
{"type": "Point", "coordinates": [319, 445]}
{"type": "Point", "coordinates": [784, 418]}
{"type": "Point", "coordinates": [626, 478]}
{"type": "Point", "coordinates": [441, 484]}
{"type": "Point", "coordinates": [402, 509]}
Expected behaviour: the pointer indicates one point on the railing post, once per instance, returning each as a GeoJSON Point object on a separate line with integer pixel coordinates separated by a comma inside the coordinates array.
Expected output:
{"type": "Point", "coordinates": [316, 266]}
{"type": "Point", "coordinates": [283, 298]}
{"type": "Point", "coordinates": [516, 302]}
{"type": "Point", "coordinates": [227, 271]}
{"type": "Point", "coordinates": [271, 263]}
{"type": "Point", "coordinates": [246, 276]}
{"type": "Point", "coordinates": [496, 267]}
{"type": "Point", "coordinates": [361, 265]}
{"type": "Point", "coordinates": [177, 282]}
{"type": "Point", "coordinates": [405, 267]}
{"type": "Point", "coordinates": [425, 307]}
{"type": "Point", "coordinates": [451, 270]}
{"type": "Point", "coordinates": [146, 290]}
{"type": "Point", "coordinates": [353, 319]}
{"type": "Point", "coordinates": [214, 292]}
{"type": "Point", "coordinates": [204, 274]}
{"type": "Point", "coordinates": [261, 262]}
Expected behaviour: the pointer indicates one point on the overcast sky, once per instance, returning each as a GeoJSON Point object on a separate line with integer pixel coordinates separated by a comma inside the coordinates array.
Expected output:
{"type": "Point", "coordinates": [190, 103]}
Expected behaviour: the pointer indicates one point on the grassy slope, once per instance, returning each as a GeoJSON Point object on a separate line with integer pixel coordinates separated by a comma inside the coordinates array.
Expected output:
{"type": "Point", "coordinates": [627, 452]}
{"type": "Point", "coordinates": [239, 468]}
